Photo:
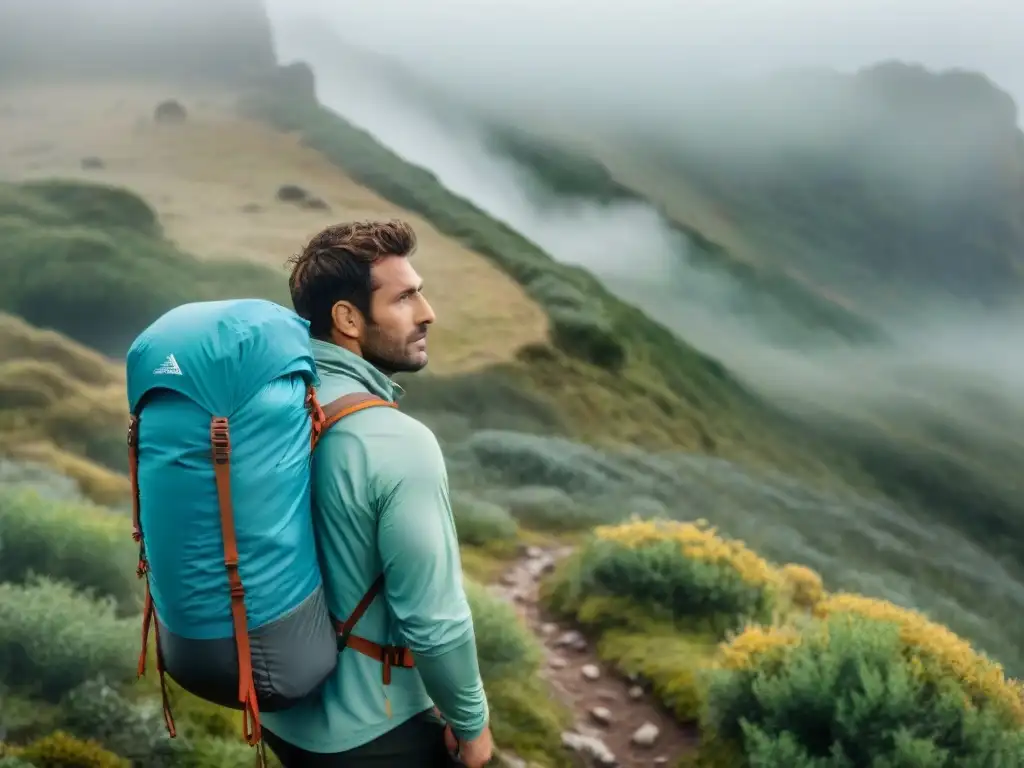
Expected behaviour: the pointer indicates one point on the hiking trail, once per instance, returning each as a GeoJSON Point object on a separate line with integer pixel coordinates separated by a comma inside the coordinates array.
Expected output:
{"type": "Point", "coordinates": [617, 722]}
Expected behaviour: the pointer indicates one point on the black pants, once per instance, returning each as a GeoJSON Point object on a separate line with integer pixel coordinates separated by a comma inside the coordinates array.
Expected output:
{"type": "Point", "coordinates": [416, 743]}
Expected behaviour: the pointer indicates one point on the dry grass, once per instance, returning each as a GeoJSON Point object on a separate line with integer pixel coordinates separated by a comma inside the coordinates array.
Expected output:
{"type": "Point", "coordinates": [48, 385]}
{"type": "Point", "coordinates": [204, 177]}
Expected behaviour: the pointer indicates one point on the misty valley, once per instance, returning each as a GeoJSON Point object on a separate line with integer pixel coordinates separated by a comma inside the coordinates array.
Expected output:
{"type": "Point", "coordinates": [727, 388]}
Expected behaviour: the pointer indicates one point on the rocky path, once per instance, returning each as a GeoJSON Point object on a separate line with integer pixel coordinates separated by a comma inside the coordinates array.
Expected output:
{"type": "Point", "coordinates": [617, 722]}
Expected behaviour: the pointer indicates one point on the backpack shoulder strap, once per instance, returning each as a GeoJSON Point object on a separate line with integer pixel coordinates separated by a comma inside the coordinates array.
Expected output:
{"type": "Point", "coordinates": [346, 405]}
{"type": "Point", "coordinates": [388, 656]}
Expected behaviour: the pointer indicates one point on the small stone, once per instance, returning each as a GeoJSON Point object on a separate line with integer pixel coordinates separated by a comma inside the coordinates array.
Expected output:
{"type": "Point", "coordinates": [534, 552]}
{"type": "Point", "coordinates": [636, 693]}
{"type": "Point", "coordinates": [569, 638]}
{"type": "Point", "coordinates": [590, 746]}
{"type": "Point", "coordinates": [607, 695]}
{"type": "Point", "coordinates": [590, 671]}
{"type": "Point", "coordinates": [579, 644]}
{"type": "Point", "coordinates": [539, 566]}
{"type": "Point", "coordinates": [509, 579]}
{"type": "Point", "coordinates": [661, 760]}
{"type": "Point", "coordinates": [557, 662]}
{"type": "Point", "coordinates": [547, 629]}
{"type": "Point", "coordinates": [601, 715]}
{"type": "Point", "coordinates": [646, 735]}
{"type": "Point", "coordinates": [510, 761]}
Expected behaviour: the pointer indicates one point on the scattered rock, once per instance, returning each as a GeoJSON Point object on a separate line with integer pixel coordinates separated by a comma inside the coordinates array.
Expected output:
{"type": "Point", "coordinates": [93, 163]}
{"type": "Point", "coordinates": [534, 552]}
{"type": "Point", "coordinates": [601, 715]}
{"type": "Point", "coordinates": [291, 193]}
{"type": "Point", "coordinates": [557, 662]}
{"type": "Point", "coordinates": [547, 629]}
{"type": "Point", "coordinates": [590, 746]}
{"type": "Point", "coordinates": [539, 566]}
{"type": "Point", "coordinates": [170, 112]}
{"type": "Point", "coordinates": [607, 696]}
{"type": "Point", "coordinates": [661, 760]}
{"type": "Point", "coordinates": [570, 639]}
{"type": "Point", "coordinates": [590, 671]}
{"type": "Point", "coordinates": [636, 693]}
{"type": "Point", "coordinates": [510, 761]}
{"type": "Point", "coordinates": [646, 735]}
{"type": "Point", "coordinates": [509, 579]}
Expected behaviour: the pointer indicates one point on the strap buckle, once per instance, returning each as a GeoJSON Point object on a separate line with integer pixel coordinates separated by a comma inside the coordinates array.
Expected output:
{"type": "Point", "coordinates": [220, 440]}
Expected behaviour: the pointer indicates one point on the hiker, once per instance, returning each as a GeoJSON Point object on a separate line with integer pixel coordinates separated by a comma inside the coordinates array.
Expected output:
{"type": "Point", "coordinates": [381, 509]}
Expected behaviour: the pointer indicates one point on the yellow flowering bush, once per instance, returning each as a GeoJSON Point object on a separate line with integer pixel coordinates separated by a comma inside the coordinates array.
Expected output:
{"type": "Point", "coordinates": [843, 690]}
{"type": "Point", "coordinates": [59, 750]}
{"type": "Point", "coordinates": [681, 573]}
{"type": "Point", "coordinates": [940, 652]}
{"type": "Point", "coordinates": [803, 585]}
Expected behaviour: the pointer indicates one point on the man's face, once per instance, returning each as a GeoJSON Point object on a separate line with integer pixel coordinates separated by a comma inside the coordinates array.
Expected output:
{"type": "Point", "coordinates": [395, 339]}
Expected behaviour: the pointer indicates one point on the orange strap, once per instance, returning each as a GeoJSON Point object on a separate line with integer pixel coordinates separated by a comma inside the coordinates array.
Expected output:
{"type": "Point", "coordinates": [142, 571]}
{"type": "Point", "coordinates": [388, 655]}
{"type": "Point", "coordinates": [326, 417]}
{"type": "Point", "coordinates": [220, 441]}
{"type": "Point", "coordinates": [323, 419]}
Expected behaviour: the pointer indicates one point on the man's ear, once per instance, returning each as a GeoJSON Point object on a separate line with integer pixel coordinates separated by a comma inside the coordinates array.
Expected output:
{"type": "Point", "coordinates": [347, 320]}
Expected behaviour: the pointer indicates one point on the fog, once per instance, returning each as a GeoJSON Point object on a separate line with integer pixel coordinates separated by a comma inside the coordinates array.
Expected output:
{"type": "Point", "coordinates": [637, 56]}
{"type": "Point", "coordinates": [947, 383]}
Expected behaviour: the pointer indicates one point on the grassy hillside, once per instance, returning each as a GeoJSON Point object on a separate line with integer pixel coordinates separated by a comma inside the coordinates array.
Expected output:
{"type": "Point", "coordinates": [215, 202]}
{"type": "Point", "coordinates": [91, 261]}
{"type": "Point", "coordinates": [613, 373]}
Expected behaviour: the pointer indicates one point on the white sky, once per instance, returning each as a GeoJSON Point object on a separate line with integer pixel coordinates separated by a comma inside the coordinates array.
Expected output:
{"type": "Point", "coordinates": [617, 47]}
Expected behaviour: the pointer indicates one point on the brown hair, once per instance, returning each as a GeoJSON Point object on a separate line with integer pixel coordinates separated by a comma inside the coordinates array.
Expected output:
{"type": "Point", "coordinates": [335, 266]}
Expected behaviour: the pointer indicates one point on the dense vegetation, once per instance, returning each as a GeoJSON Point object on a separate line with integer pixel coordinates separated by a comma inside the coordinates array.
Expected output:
{"type": "Point", "coordinates": [778, 672]}
{"type": "Point", "coordinates": [69, 639]}
{"type": "Point", "coordinates": [90, 261]}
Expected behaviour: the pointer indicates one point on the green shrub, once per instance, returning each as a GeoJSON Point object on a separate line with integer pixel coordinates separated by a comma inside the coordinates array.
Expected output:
{"type": "Point", "coordinates": [95, 710]}
{"type": "Point", "coordinates": [213, 752]}
{"type": "Point", "coordinates": [543, 508]}
{"type": "Point", "coordinates": [524, 717]}
{"type": "Point", "coordinates": [12, 761]}
{"type": "Point", "coordinates": [59, 750]}
{"type": "Point", "coordinates": [24, 718]}
{"type": "Point", "coordinates": [66, 201]}
{"type": "Point", "coordinates": [482, 523]}
{"type": "Point", "coordinates": [88, 546]}
{"type": "Point", "coordinates": [505, 647]}
{"type": "Point", "coordinates": [842, 693]}
{"type": "Point", "coordinates": [100, 272]}
{"type": "Point", "coordinates": [53, 638]}
{"type": "Point", "coordinates": [681, 573]}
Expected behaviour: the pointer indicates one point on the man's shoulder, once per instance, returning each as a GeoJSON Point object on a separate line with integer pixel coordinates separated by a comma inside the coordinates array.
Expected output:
{"type": "Point", "coordinates": [383, 427]}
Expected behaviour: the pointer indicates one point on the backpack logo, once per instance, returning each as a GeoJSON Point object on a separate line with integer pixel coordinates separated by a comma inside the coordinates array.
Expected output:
{"type": "Point", "coordinates": [168, 367]}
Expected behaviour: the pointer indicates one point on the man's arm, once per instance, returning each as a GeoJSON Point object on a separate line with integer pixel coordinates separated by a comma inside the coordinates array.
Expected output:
{"type": "Point", "coordinates": [423, 579]}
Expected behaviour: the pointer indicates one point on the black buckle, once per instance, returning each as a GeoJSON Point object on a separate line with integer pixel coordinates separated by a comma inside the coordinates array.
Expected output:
{"type": "Point", "coordinates": [343, 637]}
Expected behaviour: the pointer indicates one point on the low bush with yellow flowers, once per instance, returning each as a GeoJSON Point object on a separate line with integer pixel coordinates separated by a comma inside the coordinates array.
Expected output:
{"type": "Point", "coordinates": [681, 573]}
{"type": "Point", "coordinates": [865, 683]}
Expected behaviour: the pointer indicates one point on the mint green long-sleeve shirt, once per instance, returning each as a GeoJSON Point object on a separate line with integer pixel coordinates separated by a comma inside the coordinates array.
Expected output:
{"type": "Point", "coordinates": [380, 496]}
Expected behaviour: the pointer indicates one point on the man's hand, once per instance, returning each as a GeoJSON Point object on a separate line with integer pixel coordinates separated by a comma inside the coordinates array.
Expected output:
{"type": "Point", "coordinates": [474, 754]}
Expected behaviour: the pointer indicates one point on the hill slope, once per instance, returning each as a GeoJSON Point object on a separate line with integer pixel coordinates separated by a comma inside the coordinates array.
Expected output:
{"type": "Point", "coordinates": [212, 183]}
